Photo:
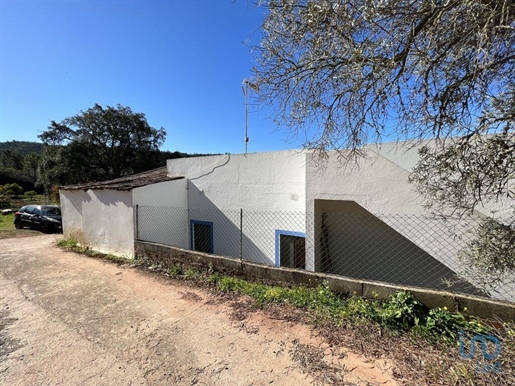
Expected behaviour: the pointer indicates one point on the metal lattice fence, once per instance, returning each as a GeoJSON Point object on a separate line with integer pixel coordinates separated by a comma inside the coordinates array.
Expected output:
{"type": "Point", "coordinates": [404, 250]}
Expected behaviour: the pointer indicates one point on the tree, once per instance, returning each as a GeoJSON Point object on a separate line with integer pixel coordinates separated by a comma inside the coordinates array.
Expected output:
{"type": "Point", "coordinates": [345, 69]}
{"type": "Point", "coordinates": [99, 144]}
{"type": "Point", "coordinates": [347, 73]}
{"type": "Point", "coordinates": [30, 165]}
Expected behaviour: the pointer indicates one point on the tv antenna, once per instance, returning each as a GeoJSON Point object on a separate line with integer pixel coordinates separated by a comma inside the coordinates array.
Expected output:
{"type": "Point", "coordinates": [245, 88]}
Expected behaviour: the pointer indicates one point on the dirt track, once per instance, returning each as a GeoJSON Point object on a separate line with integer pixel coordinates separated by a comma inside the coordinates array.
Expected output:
{"type": "Point", "coordinates": [66, 319]}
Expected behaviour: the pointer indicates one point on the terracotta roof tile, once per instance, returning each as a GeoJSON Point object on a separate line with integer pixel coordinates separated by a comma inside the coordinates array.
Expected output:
{"type": "Point", "coordinates": [127, 182]}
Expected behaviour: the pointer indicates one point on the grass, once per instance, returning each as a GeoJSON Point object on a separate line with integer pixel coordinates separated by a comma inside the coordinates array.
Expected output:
{"type": "Point", "coordinates": [8, 231]}
{"type": "Point", "coordinates": [6, 222]}
{"type": "Point", "coordinates": [74, 245]}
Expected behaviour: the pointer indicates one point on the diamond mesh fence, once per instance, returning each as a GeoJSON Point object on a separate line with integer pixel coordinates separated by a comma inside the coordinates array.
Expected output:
{"type": "Point", "coordinates": [398, 249]}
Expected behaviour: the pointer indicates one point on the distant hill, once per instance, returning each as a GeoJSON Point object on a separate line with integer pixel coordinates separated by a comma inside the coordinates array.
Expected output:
{"type": "Point", "coordinates": [21, 147]}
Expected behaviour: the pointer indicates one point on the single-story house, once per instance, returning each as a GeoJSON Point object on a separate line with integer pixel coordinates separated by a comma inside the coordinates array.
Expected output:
{"type": "Point", "coordinates": [284, 208]}
{"type": "Point", "coordinates": [101, 214]}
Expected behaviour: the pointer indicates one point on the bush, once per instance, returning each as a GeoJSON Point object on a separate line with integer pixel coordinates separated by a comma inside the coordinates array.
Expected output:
{"type": "Point", "coordinates": [30, 194]}
{"type": "Point", "coordinates": [11, 190]}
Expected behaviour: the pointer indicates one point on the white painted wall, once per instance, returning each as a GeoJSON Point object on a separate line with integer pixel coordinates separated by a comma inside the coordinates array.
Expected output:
{"type": "Point", "coordinates": [71, 208]}
{"type": "Point", "coordinates": [273, 181]}
{"type": "Point", "coordinates": [102, 219]}
{"type": "Point", "coordinates": [380, 185]}
{"type": "Point", "coordinates": [171, 194]}
{"type": "Point", "coordinates": [375, 183]}
{"type": "Point", "coordinates": [108, 220]}
{"type": "Point", "coordinates": [405, 155]}
{"type": "Point", "coordinates": [258, 183]}
{"type": "Point", "coordinates": [163, 212]}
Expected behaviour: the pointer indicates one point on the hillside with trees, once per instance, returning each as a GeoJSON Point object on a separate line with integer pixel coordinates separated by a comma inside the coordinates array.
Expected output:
{"type": "Point", "coordinates": [98, 144]}
{"type": "Point", "coordinates": [21, 147]}
{"type": "Point", "coordinates": [19, 162]}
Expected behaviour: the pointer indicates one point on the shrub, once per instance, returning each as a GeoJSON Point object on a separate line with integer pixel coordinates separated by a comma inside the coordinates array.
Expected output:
{"type": "Point", "coordinates": [30, 194]}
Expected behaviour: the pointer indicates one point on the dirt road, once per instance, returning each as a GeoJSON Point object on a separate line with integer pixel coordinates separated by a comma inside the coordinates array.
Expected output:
{"type": "Point", "coordinates": [67, 319]}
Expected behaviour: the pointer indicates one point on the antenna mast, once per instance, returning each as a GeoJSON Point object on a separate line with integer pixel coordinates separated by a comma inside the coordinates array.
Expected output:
{"type": "Point", "coordinates": [246, 115]}
{"type": "Point", "coordinates": [245, 88]}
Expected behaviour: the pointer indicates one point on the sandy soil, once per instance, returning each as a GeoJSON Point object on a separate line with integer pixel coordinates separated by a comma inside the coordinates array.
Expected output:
{"type": "Point", "coordinates": [67, 319]}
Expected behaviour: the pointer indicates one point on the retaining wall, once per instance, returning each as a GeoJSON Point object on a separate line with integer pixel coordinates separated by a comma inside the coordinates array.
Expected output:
{"type": "Point", "coordinates": [167, 256]}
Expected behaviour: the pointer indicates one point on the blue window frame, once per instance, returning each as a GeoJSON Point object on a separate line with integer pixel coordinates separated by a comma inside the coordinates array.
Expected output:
{"type": "Point", "coordinates": [201, 236]}
{"type": "Point", "coordinates": [299, 249]}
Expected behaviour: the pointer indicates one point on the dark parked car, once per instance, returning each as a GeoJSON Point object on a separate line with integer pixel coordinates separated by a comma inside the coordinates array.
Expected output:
{"type": "Point", "coordinates": [46, 218]}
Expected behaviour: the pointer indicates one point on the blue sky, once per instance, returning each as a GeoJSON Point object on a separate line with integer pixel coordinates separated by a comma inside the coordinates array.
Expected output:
{"type": "Point", "coordinates": [181, 63]}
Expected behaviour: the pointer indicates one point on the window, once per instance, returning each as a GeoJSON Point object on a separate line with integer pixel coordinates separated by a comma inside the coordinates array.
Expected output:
{"type": "Point", "coordinates": [30, 209]}
{"type": "Point", "coordinates": [51, 211]}
{"type": "Point", "coordinates": [201, 236]}
{"type": "Point", "coordinates": [290, 249]}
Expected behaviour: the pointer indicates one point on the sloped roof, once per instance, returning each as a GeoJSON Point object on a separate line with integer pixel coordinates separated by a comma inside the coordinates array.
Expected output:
{"type": "Point", "coordinates": [127, 182]}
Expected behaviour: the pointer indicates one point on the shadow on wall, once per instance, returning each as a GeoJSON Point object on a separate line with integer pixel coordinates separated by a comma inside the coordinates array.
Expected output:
{"type": "Point", "coordinates": [226, 235]}
{"type": "Point", "coordinates": [205, 228]}
{"type": "Point", "coordinates": [352, 242]}
{"type": "Point", "coordinates": [76, 198]}
{"type": "Point", "coordinates": [106, 197]}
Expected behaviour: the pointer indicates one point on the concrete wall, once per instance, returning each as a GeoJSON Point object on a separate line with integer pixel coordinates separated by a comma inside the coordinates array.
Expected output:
{"type": "Point", "coordinates": [163, 213]}
{"type": "Point", "coordinates": [380, 186]}
{"type": "Point", "coordinates": [267, 186]}
{"type": "Point", "coordinates": [102, 219]}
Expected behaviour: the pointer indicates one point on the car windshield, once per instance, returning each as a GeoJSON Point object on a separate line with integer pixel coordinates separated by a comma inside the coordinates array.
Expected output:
{"type": "Point", "coordinates": [51, 211]}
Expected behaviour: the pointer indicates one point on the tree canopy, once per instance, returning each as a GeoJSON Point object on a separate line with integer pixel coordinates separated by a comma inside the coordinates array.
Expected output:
{"type": "Point", "coordinates": [347, 73]}
{"type": "Point", "coordinates": [99, 144]}
{"type": "Point", "coordinates": [353, 72]}
{"type": "Point", "coordinates": [18, 164]}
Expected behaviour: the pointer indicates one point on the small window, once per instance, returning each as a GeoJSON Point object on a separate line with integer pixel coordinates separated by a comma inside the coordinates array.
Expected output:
{"type": "Point", "coordinates": [202, 236]}
{"type": "Point", "coordinates": [290, 249]}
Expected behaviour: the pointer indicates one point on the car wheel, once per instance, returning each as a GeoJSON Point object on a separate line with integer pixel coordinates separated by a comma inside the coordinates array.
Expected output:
{"type": "Point", "coordinates": [44, 228]}
{"type": "Point", "coordinates": [17, 224]}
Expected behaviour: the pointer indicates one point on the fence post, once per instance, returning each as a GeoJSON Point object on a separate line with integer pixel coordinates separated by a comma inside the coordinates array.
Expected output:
{"type": "Point", "coordinates": [241, 234]}
{"type": "Point", "coordinates": [137, 222]}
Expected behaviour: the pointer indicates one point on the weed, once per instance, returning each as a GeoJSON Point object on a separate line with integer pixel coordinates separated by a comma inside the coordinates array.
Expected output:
{"type": "Point", "coordinates": [434, 331]}
{"type": "Point", "coordinates": [191, 273]}
{"type": "Point", "coordinates": [401, 312]}
{"type": "Point", "coordinates": [67, 243]}
{"type": "Point", "coordinates": [175, 270]}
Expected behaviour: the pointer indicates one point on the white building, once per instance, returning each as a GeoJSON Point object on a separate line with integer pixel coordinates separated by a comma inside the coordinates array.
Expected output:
{"type": "Point", "coordinates": [282, 208]}
{"type": "Point", "coordinates": [101, 215]}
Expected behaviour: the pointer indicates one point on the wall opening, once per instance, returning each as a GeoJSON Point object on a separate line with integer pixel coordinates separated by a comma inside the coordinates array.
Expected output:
{"type": "Point", "coordinates": [350, 241]}
{"type": "Point", "coordinates": [290, 249]}
{"type": "Point", "coordinates": [201, 236]}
